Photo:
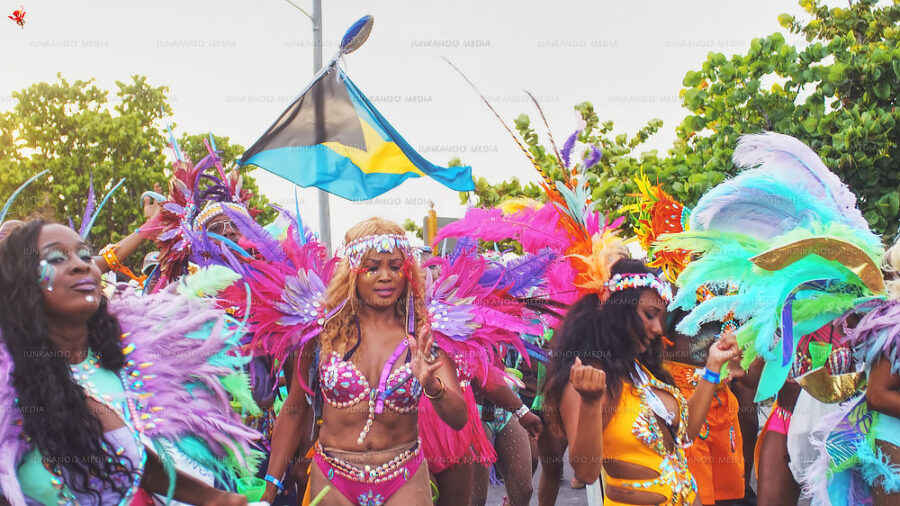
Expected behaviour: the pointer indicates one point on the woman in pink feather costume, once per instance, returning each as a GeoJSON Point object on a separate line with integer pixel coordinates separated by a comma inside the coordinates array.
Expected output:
{"type": "Point", "coordinates": [375, 359]}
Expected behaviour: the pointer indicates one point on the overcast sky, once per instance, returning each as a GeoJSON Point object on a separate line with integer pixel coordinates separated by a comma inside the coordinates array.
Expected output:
{"type": "Point", "coordinates": [233, 66]}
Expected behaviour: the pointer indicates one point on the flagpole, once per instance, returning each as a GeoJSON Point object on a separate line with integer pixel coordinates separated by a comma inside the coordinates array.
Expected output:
{"type": "Point", "coordinates": [324, 208]}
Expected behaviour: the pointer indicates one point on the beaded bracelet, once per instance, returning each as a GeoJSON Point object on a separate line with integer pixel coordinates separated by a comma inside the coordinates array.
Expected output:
{"type": "Point", "coordinates": [275, 481]}
{"type": "Point", "coordinates": [711, 376]}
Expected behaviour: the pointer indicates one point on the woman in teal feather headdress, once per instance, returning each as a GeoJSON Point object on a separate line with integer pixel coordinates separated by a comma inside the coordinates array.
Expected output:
{"type": "Point", "coordinates": [787, 232]}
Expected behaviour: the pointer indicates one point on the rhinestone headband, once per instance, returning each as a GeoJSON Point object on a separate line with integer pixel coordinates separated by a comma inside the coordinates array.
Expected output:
{"type": "Point", "coordinates": [384, 243]}
{"type": "Point", "coordinates": [213, 209]}
{"type": "Point", "coordinates": [625, 281]}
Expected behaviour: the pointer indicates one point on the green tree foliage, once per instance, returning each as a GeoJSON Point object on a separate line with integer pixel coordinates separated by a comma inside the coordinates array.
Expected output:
{"type": "Point", "coordinates": [194, 149]}
{"type": "Point", "coordinates": [74, 129]}
{"type": "Point", "coordinates": [411, 226]}
{"type": "Point", "coordinates": [838, 95]}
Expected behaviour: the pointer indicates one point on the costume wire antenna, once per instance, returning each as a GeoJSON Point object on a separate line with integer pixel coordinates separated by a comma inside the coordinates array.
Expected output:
{"type": "Point", "coordinates": [547, 181]}
{"type": "Point", "coordinates": [559, 159]}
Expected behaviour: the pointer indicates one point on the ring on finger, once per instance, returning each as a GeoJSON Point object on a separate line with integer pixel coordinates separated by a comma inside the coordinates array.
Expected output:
{"type": "Point", "coordinates": [430, 358]}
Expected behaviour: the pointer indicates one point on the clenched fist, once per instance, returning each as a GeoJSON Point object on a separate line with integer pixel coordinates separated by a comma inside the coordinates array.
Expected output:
{"type": "Point", "coordinates": [588, 381]}
{"type": "Point", "coordinates": [722, 351]}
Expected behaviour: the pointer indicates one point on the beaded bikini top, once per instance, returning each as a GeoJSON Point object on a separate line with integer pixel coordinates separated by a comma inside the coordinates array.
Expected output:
{"type": "Point", "coordinates": [344, 385]}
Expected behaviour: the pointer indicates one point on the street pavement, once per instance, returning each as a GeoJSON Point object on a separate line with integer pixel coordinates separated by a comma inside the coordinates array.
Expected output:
{"type": "Point", "coordinates": [567, 495]}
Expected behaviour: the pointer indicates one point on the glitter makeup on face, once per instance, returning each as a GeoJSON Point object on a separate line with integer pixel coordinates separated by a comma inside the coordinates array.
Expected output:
{"type": "Point", "coordinates": [46, 274]}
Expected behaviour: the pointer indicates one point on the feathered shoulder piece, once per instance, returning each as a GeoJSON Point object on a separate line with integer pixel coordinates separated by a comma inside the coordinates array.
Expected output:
{"type": "Point", "coordinates": [183, 369]}
{"type": "Point", "coordinates": [475, 309]}
{"type": "Point", "coordinates": [878, 333]}
{"type": "Point", "coordinates": [288, 284]}
{"type": "Point", "coordinates": [472, 309]}
{"type": "Point", "coordinates": [657, 213]}
{"type": "Point", "coordinates": [184, 364]}
{"type": "Point", "coordinates": [787, 233]}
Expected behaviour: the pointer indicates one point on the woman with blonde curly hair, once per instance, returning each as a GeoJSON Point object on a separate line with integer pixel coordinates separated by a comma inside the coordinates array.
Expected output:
{"type": "Point", "coordinates": [375, 351]}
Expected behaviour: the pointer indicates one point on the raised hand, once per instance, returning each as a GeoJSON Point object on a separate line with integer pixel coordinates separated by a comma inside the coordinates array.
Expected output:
{"type": "Point", "coordinates": [424, 363]}
{"type": "Point", "coordinates": [588, 381]}
{"type": "Point", "coordinates": [151, 205]}
{"type": "Point", "coordinates": [723, 350]}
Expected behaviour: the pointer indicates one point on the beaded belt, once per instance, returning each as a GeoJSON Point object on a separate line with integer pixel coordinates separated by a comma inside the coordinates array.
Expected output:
{"type": "Point", "coordinates": [368, 474]}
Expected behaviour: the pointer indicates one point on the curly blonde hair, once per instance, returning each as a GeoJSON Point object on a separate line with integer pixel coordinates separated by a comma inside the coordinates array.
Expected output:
{"type": "Point", "coordinates": [890, 263]}
{"type": "Point", "coordinates": [339, 334]}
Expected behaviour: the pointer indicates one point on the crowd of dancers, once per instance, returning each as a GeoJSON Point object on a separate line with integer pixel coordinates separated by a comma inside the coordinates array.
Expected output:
{"type": "Point", "coordinates": [384, 374]}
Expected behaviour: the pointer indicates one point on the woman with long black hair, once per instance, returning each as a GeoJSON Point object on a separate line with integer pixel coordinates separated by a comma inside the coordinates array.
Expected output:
{"type": "Point", "coordinates": [607, 391]}
{"type": "Point", "coordinates": [78, 394]}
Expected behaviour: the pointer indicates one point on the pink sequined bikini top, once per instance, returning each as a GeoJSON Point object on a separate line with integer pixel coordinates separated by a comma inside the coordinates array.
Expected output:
{"type": "Point", "coordinates": [344, 385]}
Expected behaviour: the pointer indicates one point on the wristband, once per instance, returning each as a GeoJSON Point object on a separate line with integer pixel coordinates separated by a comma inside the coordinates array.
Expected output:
{"type": "Point", "coordinates": [109, 254]}
{"type": "Point", "coordinates": [112, 261]}
{"type": "Point", "coordinates": [275, 481]}
{"type": "Point", "coordinates": [521, 412]}
{"type": "Point", "coordinates": [711, 376]}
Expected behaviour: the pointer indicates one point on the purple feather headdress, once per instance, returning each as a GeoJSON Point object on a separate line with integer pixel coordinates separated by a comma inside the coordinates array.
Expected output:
{"type": "Point", "coordinates": [191, 191]}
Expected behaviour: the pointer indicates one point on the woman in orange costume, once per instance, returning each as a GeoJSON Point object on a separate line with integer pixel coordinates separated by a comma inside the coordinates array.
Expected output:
{"type": "Point", "coordinates": [643, 421]}
{"type": "Point", "coordinates": [716, 459]}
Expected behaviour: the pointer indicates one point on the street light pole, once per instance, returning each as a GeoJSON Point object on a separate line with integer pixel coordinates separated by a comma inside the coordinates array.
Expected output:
{"type": "Point", "coordinates": [324, 209]}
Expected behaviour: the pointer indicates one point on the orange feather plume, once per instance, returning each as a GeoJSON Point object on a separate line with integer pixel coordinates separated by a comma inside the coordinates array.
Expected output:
{"type": "Point", "coordinates": [657, 213]}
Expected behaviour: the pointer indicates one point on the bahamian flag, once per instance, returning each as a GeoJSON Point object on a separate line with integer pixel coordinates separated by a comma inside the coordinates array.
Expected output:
{"type": "Point", "coordinates": [333, 138]}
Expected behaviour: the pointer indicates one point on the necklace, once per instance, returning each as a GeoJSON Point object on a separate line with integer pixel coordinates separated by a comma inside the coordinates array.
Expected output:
{"type": "Point", "coordinates": [646, 428]}
{"type": "Point", "coordinates": [83, 374]}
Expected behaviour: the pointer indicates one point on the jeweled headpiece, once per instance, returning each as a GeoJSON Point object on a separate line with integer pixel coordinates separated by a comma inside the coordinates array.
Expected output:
{"type": "Point", "coordinates": [619, 282]}
{"type": "Point", "coordinates": [382, 243]}
{"type": "Point", "coordinates": [213, 209]}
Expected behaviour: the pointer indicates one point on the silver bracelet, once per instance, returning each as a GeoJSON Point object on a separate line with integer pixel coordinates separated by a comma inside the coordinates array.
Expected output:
{"type": "Point", "coordinates": [521, 411]}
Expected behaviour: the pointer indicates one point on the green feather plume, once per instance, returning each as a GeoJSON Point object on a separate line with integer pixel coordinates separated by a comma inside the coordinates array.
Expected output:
{"type": "Point", "coordinates": [207, 281]}
{"type": "Point", "coordinates": [237, 384]}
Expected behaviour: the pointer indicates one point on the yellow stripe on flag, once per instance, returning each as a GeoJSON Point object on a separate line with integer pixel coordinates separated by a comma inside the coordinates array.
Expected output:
{"type": "Point", "coordinates": [379, 157]}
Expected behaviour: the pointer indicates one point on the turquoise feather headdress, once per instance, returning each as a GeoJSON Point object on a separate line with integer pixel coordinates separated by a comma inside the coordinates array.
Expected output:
{"type": "Point", "coordinates": [786, 197]}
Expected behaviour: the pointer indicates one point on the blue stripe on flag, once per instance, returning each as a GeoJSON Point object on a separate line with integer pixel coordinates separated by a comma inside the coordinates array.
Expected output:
{"type": "Point", "coordinates": [321, 167]}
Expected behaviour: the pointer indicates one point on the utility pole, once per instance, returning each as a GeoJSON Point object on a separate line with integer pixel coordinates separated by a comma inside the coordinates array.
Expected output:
{"type": "Point", "coordinates": [324, 207]}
